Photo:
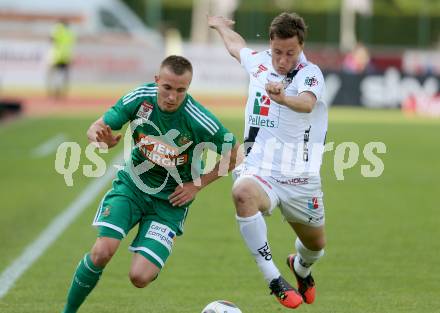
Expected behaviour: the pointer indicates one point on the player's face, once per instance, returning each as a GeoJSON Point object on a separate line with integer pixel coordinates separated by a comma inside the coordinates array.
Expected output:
{"type": "Point", "coordinates": [172, 89]}
{"type": "Point", "coordinates": [285, 53]}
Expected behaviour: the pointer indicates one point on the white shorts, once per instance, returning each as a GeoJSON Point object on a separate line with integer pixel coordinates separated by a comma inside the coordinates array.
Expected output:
{"type": "Point", "coordinates": [300, 199]}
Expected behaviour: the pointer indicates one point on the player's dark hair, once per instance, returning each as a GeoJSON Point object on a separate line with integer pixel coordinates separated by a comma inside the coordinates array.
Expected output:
{"type": "Point", "coordinates": [177, 64]}
{"type": "Point", "coordinates": [288, 25]}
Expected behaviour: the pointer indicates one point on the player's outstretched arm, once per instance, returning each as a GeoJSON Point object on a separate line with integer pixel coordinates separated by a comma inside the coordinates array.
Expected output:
{"type": "Point", "coordinates": [101, 134]}
{"type": "Point", "coordinates": [232, 40]}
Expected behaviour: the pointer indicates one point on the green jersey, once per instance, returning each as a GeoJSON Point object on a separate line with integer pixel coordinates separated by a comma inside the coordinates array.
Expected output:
{"type": "Point", "coordinates": [168, 145]}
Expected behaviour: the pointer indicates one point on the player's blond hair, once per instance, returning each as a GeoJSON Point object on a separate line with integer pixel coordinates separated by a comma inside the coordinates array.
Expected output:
{"type": "Point", "coordinates": [177, 64]}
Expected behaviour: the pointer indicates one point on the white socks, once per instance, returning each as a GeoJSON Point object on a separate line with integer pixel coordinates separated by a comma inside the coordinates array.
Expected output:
{"type": "Point", "coordinates": [305, 258]}
{"type": "Point", "coordinates": [254, 232]}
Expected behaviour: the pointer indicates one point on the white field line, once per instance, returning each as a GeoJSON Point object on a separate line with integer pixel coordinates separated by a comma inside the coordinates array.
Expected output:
{"type": "Point", "coordinates": [34, 250]}
{"type": "Point", "coordinates": [48, 146]}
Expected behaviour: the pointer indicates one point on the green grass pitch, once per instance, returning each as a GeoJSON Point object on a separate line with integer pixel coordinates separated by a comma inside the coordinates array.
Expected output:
{"type": "Point", "coordinates": [383, 233]}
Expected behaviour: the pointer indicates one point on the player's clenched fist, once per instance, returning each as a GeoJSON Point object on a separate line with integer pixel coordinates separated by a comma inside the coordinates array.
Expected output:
{"type": "Point", "coordinates": [275, 91]}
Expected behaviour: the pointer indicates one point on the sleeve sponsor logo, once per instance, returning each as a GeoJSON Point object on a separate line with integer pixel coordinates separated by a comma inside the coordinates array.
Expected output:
{"type": "Point", "coordinates": [311, 81]}
{"type": "Point", "coordinates": [162, 234]}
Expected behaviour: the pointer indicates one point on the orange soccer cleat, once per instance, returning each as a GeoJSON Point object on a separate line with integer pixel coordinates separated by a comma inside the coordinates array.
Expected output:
{"type": "Point", "coordinates": [285, 294]}
{"type": "Point", "coordinates": [306, 286]}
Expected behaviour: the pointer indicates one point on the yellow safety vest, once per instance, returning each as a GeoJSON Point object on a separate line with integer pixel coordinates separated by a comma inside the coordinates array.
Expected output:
{"type": "Point", "coordinates": [63, 41]}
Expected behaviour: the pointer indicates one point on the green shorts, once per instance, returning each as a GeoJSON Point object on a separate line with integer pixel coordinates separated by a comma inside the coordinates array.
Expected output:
{"type": "Point", "coordinates": [125, 206]}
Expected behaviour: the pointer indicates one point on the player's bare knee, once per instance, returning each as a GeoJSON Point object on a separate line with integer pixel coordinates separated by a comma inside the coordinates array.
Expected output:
{"type": "Point", "coordinates": [101, 255]}
{"type": "Point", "coordinates": [141, 280]}
{"type": "Point", "coordinates": [138, 281]}
{"type": "Point", "coordinates": [243, 194]}
{"type": "Point", "coordinates": [245, 209]}
{"type": "Point", "coordinates": [101, 258]}
{"type": "Point", "coordinates": [320, 244]}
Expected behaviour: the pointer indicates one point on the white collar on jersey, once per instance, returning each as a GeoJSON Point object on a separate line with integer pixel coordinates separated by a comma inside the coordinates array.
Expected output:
{"type": "Point", "coordinates": [302, 59]}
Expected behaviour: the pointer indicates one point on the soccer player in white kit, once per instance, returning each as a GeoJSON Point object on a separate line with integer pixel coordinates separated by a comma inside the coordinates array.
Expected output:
{"type": "Point", "coordinates": [285, 130]}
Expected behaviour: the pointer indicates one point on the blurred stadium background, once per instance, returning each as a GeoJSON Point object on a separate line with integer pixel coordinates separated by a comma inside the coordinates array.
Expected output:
{"type": "Point", "coordinates": [381, 60]}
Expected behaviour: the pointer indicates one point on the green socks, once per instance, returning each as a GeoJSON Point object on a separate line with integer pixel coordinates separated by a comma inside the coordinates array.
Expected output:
{"type": "Point", "coordinates": [84, 280]}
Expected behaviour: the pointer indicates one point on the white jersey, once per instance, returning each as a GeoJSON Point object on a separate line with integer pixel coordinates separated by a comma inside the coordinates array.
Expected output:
{"type": "Point", "coordinates": [286, 143]}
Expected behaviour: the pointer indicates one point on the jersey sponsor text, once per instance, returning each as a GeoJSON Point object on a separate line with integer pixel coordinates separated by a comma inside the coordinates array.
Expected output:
{"type": "Point", "coordinates": [160, 153]}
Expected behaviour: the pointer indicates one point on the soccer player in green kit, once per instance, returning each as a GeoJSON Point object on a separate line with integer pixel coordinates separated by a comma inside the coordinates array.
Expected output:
{"type": "Point", "coordinates": [160, 180]}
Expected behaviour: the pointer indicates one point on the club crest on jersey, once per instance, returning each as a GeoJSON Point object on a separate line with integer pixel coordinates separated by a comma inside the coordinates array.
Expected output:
{"type": "Point", "coordinates": [286, 81]}
{"type": "Point", "coordinates": [289, 77]}
{"type": "Point", "coordinates": [106, 212]}
{"type": "Point", "coordinates": [184, 139]}
{"type": "Point", "coordinates": [145, 110]}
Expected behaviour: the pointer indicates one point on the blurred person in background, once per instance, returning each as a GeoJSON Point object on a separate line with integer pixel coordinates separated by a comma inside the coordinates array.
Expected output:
{"type": "Point", "coordinates": [285, 109]}
{"type": "Point", "coordinates": [63, 40]}
{"type": "Point", "coordinates": [356, 61]}
{"type": "Point", "coordinates": [157, 185]}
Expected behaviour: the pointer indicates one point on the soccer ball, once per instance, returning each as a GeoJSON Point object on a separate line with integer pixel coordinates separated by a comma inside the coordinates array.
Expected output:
{"type": "Point", "coordinates": [221, 306]}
